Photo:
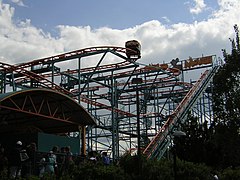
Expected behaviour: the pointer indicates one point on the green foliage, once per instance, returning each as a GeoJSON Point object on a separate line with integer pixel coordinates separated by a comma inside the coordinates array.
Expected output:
{"type": "Point", "coordinates": [147, 170]}
{"type": "Point", "coordinates": [226, 108]}
{"type": "Point", "coordinates": [150, 170]}
{"type": "Point", "coordinates": [226, 86]}
{"type": "Point", "coordinates": [163, 169]}
{"type": "Point", "coordinates": [191, 171]}
{"type": "Point", "coordinates": [90, 171]}
{"type": "Point", "coordinates": [191, 147]}
{"type": "Point", "coordinates": [230, 174]}
{"type": "Point", "coordinates": [3, 174]}
{"type": "Point", "coordinates": [217, 145]}
{"type": "Point", "coordinates": [129, 164]}
{"type": "Point", "coordinates": [47, 176]}
{"type": "Point", "coordinates": [153, 169]}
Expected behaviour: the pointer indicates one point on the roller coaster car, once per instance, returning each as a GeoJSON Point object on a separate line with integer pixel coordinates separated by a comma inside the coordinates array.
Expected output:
{"type": "Point", "coordinates": [133, 49]}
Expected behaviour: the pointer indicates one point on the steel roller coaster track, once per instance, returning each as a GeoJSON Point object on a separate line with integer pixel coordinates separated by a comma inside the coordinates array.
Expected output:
{"type": "Point", "coordinates": [107, 92]}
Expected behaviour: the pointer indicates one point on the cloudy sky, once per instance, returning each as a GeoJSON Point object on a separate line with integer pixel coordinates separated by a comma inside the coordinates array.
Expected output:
{"type": "Point", "coordinates": [31, 29]}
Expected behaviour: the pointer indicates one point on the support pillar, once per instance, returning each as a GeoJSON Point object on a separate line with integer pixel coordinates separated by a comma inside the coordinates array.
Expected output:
{"type": "Point", "coordinates": [83, 139]}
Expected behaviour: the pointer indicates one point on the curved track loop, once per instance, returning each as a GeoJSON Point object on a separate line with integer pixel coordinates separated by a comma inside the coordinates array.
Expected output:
{"type": "Point", "coordinates": [93, 51]}
{"type": "Point", "coordinates": [48, 84]}
{"type": "Point", "coordinates": [42, 78]}
{"type": "Point", "coordinates": [20, 68]}
{"type": "Point", "coordinates": [76, 54]}
{"type": "Point", "coordinates": [31, 75]}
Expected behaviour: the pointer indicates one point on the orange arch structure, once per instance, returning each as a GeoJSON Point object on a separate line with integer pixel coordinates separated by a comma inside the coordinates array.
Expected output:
{"type": "Point", "coordinates": [41, 110]}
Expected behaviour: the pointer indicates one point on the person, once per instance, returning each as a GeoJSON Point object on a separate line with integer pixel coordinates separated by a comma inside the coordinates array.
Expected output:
{"type": "Point", "coordinates": [92, 157]}
{"type": "Point", "coordinates": [42, 167]}
{"type": "Point", "coordinates": [24, 163]}
{"type": "Point", "coordinates": [15, 164]}
{"type": "Point", "coordinates": [105, 158]}
{"type": "Point", "coordinates": [3, 159]}
{"type": "Point", "coordinates": [61, 161]}
{"type": "Point", "coordinates": [68, 161]}
{"type": "Point", "coordinates": [30, 163]}
{"type": "Point", "coordinates": [55, 151]}
{"type": "Point", "coordinates": [51, 162]}
{"type": "Point", "coordinates": [215, 177]}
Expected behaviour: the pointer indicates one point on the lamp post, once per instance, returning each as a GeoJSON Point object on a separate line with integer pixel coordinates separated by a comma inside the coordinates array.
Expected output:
{"type": "Point", "coordinates": [138, 81]}
{"type": "Point", "coordinates": [176, 134]}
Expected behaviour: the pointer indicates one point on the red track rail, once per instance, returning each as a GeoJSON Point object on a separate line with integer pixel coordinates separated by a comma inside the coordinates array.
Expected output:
{"type": "Point", "coordinates": [173, 71]}
{"type": "Point", "coordinates": [74, 54]}
{"type": "Point", "coordinates": [171, 120]}
{"type": "Point", "coordinates": [48, 84]}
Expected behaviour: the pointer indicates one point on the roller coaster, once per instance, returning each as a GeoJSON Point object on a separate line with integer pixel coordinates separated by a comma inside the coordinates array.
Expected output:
{"type": "Point", "coordinates": [135, 105]}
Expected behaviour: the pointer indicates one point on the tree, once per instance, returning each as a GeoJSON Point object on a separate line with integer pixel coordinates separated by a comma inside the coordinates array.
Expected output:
{"type": "Point", "coordinates": [226, 87]}
{"type": "Point", "coordinates": [218, 145]}
{"type": "Point", "coordinates": [191, 147]}
{"type": "Point", "coordinates": [226, 107]}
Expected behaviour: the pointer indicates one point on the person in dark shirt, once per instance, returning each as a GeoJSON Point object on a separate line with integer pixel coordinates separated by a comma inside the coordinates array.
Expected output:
{"type": "Point", "coordinates": [15, 161]}
{"type": "Point", "coordinates": [3, 159]}
{"type": "Point", "coordinates": [68, 161]}
{"type": "Point", "coordinates": [105, 158]}
{"type": "Point", "coordinates": [28, 166]}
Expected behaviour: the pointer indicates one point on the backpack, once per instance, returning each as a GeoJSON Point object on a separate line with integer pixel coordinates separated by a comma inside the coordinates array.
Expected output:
{"type": "Point", "coordinates": [23, 156]}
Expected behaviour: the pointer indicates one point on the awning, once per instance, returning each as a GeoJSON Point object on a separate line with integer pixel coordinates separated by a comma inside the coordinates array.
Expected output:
{"type": "Point", "coordinates": [41, 110]}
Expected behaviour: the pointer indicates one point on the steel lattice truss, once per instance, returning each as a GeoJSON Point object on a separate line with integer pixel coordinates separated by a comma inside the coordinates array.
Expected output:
{"type": "Point", "coordinates": [107, 91]}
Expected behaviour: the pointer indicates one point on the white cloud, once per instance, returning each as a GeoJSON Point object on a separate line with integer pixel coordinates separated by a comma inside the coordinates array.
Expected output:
{"type": "Point", "coordinates": [227, 4]}
{"type": "Point", "coordinates": [199, 7]}
{"type": "Point", "coordinates": [22, 42]}
{"type": "Point", "coordinates": [166, 19]}
{"type": "Point", "coordinates": [18, 2]}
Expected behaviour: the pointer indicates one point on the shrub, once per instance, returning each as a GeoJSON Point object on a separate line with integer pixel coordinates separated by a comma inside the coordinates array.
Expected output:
{"type": "Point", "coordinates": [191, 171]}
{"type": "Point", "coordinates": [230, 174]}
{"type": "Point", "coordinates": [90, 171]}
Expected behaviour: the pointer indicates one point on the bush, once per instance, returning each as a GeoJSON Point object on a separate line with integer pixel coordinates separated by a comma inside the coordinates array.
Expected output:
{"type": "Point", "coordinates": [230, 174]}
{"type": "Point", "coordinates": [90, 171]}
{"type": "Point", "coordinates": [163, 169]}
{"type": "Point", "coordinates": [149, 170]}
{"type": "Point", "coordinates": [191, 171]}
{"type": "Point", "coordinates": [153, 169]}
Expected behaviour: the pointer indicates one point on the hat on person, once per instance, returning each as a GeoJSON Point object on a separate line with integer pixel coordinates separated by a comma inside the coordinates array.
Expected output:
{"type": "Point", "coordinates": [19, 143]}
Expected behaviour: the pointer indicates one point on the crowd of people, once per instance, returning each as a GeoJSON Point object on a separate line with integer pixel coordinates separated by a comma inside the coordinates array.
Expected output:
{"type": "Point", "coordinates": [22, 161]}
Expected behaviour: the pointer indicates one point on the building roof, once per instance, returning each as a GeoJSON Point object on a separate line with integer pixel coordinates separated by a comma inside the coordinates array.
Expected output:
{"type": "Point", "coordinates": [41, 110]}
